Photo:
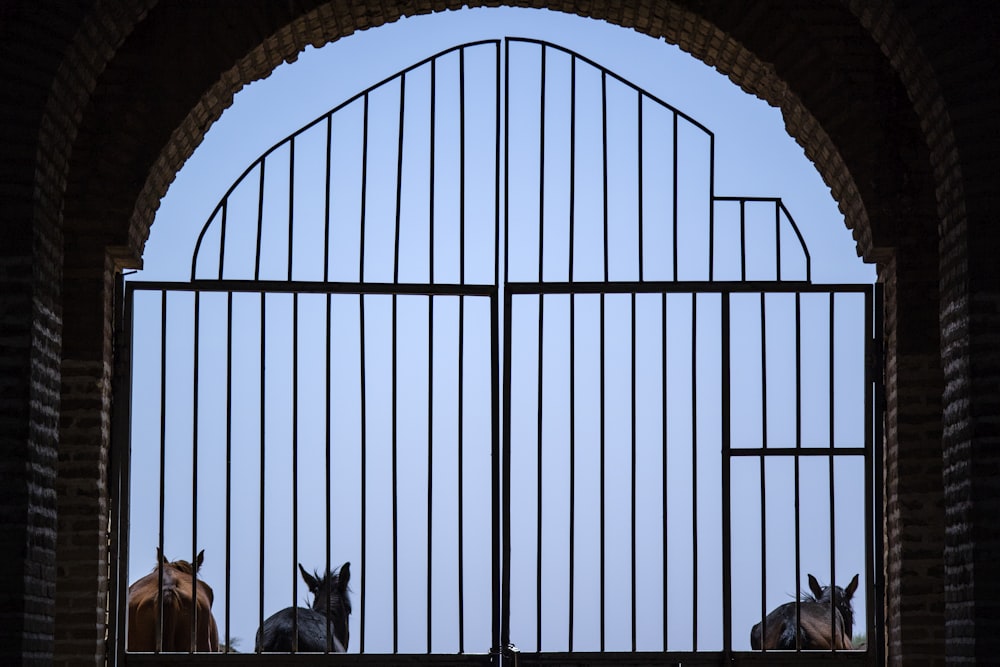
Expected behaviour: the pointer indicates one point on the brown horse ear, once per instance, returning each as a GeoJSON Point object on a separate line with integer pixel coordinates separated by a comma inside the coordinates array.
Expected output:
{"type": "Point", "coordinates": [199, 560]}
{"type": "Point", "coordinates": [311, 581]}
{"type": "Point", "coordinates": [160, 558]}
{"type": "Point", "coordinates": [814, 586]}
{"type": "Point", "coordinates": [344, 576]}
{"type": "Point", "coordinates": [851, 587]}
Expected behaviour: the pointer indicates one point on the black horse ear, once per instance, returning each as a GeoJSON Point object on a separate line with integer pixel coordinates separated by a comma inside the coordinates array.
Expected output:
{"type": "Point", "coordinates": [344, 576]}
{"type": "Point", "coordinates": [310, 580]}
{"type": "Point", "coordinates": [851, 587]}
{"type": "Point", "coordinates": [199, 560]}
{"type": "Point", "coordinates": [814, 586]}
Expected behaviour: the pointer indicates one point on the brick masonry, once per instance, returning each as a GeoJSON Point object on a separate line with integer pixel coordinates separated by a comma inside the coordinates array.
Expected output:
{"type": "Point", "coordinates": [897, 104]}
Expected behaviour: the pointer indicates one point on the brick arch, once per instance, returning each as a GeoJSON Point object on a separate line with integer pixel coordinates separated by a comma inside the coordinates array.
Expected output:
{"type": "Point", "coordinates": [837, 71]}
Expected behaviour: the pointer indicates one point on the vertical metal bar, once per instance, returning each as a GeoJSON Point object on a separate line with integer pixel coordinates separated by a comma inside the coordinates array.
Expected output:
{"type": "Point", "coordinates": [878, 581]}
{"type": "Point", "coordinates": [263, 450]}
{"type": "Point", "coordinates": [121, 470]}
{"type": "Point", "coordinates": [461, 171]}
{"type": "Point", "coordinates": [494, 384]}
{"type": "Point", "coordinates": [505, 524]}
{"type": "Point", "coordinates": [395, 483]}
{"type": "Point", "coordinates": [633, 472]}
{"type": "Point", "coordinates": [743, 241]}
{"type": "Point", "coordinates": [572, 174]}
{"type": "Point", "coordinates": [506, 173]}
{"type": "Point", "coordinates": [194, 475]}
{"type": "Point", "coordinates": [711, 207]}
{"type": "Point", "coordinates": [541, 335]}
{"type": "Point", "coordinates": [229, 462]}
{"type": "Point", "coordinates": [395, 371]}
{"type": "Point", "coordinates": [664, 468]}
{"type": "Point", "coordinates": [604, 163]}
{"type": "Point", "coordinates": [430, 351]}
{"type": "Point", "coordinates": [538, 472]}
{"type": "Point", "coordinates": [326, 207]}
{"type": "Point", "coordinates": [399, 177]}
{"type": "Point", "coordinates": [364, 207]}
{"type": "Point", "coordinates": [430, 464]}
{"type": "Point", "coordinates": [674, 202]}
{"type": "Point", "coordinates": [604, 170]}
{"type": "Point", "coordinates": [291, 202]}
{"type": "Point", "coordinates": [163, 464]}
{"type": "Point", "coordinates": [763, 467]}
{"type": "Point", "coordinates": [119, 440]}
{"type": "Point", "coordinates": [572, 348]}
{"type": "Point", "coordinates": [504, 568]}
{"type": "Point", "coordinates": [694, 471]}
{"type": "Point", "coordinates": [572, 460]}
{"type": "Point", "coordinates": [798, 446]}
{"type": "Point", "coordinates": [328, 472]}
{"type": "Point", "coordinates": [496, 188]}
{"type": "Point", "coordinates": [496, 470]}
{"type": "Point", "coordinates": [727, 527]}
{"type": "Point", "coordinates": [777, 240]}
{"type": "Point", "coordinates": [541, 174]}
{"type": "Point", "coordinates": [260, 221]}
{"type": "Point", "coordinates": [639, 182]}
{"type": "Point", "coordinates": [461, 473]}
{"type": "Point", "coordinates": [363, 393]}
{"type": "Point", "coordinates": [602, 467]}
{"type": "Point", "coordinates": [868, 389]}
{"type": "Point", "coordinates": [295, 467]}
{"type": "Point", "coordinates": [430, 171]}
{"type": "Point", "coordinates": [763, 370]}
{"type": "Point", "coordinates": [497, 612]}
{"type": "Point", "coordinates": [222, 236]}
{"type": "Point", "coordinates": [833, 522]}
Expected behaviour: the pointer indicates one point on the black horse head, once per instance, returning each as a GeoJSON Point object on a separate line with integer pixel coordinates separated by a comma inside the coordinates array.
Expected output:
{"type": "Point", "coordinates": [321, 627]}
{"type": "Point", "coordinates": [839, 597]}
{"type": "Point", "coordinates": [330, 597]}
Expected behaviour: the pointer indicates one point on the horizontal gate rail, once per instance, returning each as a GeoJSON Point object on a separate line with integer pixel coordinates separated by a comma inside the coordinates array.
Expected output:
{"type": "Point", "coordinates": [276, 287]}
{"type": "Point", "coordinates": [651, 287]}
{"type": "Point", "coordinates": [311, 659]}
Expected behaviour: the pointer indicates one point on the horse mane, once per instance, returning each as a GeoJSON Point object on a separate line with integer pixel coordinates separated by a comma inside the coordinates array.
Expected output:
{"type": "Point", "coordinates": [328, 581]}
{"type": "Point", "coordinates": [836, 596]}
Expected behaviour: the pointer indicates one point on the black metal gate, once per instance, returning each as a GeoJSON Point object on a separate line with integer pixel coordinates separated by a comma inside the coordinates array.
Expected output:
{"type": "Point", "coordinates": [624, 443]}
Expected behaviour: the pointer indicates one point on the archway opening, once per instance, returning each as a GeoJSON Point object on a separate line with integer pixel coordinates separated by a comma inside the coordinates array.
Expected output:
{"type": "Point", "coordinates": [753, 156]}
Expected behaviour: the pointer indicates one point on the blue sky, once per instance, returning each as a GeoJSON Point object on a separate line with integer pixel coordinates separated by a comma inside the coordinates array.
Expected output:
{"type": "Point", "coordinates": [753, 157]}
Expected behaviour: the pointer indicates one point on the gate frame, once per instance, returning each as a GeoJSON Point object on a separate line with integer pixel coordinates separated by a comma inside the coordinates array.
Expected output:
{"type": "Point", "coordinates": [503, 649]}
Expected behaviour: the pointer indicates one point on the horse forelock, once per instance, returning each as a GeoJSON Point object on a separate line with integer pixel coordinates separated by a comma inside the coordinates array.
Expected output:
{"type": "Point", "coordinates": [835, 595]}
{"type": "Point", "coordinates": [327, 595]}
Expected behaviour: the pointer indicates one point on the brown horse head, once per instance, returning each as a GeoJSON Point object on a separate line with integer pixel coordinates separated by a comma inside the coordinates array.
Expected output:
{"type": "Point", "coordinates": [839, 598]}
{"type": "Point", "coordinates": [186, 603]}
{"type": "Point", "coordinates": [182, 565]}
{"type": "Point", "coordinates": [823, 620]}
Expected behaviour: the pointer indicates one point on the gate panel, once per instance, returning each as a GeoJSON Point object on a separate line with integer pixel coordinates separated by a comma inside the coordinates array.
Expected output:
{"type": "Point", "coordinates": [688, 425]}
{"type": "Point", "coordinates": [680, 460]}
{"type": "Point", "coordinates": [320, 426]}
{"type": "Point", "coordinates": [323, 390]}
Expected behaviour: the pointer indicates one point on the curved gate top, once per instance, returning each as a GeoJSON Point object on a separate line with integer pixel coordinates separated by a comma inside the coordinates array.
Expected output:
{"type": "Point", "coordinates": [487, 332]}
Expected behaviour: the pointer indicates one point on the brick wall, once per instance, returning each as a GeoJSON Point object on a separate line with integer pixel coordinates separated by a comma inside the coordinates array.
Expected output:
{"type": "Point", "coordinates": [897, 104]}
